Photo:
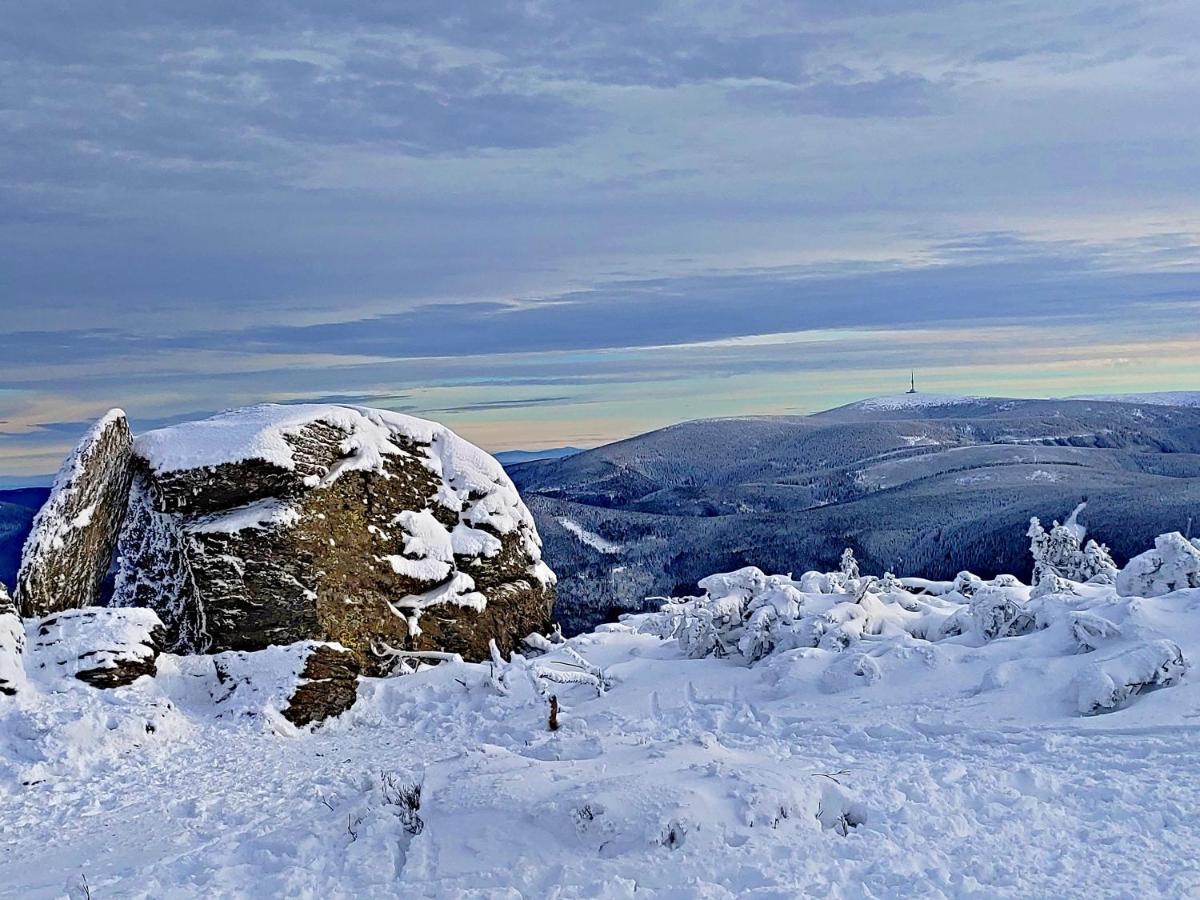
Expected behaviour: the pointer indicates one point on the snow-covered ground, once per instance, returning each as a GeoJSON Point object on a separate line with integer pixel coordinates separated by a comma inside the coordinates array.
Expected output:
{"type": "Point", "coordinates": [850, 758]}
{"type": "Point", "coordinates": [1153, 398]}
{"type": "Point", "coordinates": [918, 400]}
{"type": "Point", "coordinates": [590, 538]}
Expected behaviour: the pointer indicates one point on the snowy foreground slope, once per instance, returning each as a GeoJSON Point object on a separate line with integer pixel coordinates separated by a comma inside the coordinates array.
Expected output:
{"type": "Point", "coordinates": [886, 740]}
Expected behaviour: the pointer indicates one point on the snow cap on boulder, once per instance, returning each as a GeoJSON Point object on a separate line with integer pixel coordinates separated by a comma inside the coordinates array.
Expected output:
{"type": "Point", "coordinates": [70, 549]}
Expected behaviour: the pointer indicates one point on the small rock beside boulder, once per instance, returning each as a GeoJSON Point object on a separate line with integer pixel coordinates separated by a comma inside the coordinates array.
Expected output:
{"type": "Point", "coordinates": [305, 682]}
{"type": "Point", "coordinates": [68, 553]}
{"type": "Point", "coordinates": [106, 648]}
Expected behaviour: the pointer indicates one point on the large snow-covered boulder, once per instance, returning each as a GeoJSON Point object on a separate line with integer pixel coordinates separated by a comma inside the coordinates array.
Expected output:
{"type": "Point", "coordinates": [70, 548]}
{"type": "Point", "coordinates": [12, 646]}
{"type": "Point", "coordinates": [277, 524]}
{"type": "Point", "coordinates": [102, 646]}
{"type": "Point", "coordinates": [1173, 564]}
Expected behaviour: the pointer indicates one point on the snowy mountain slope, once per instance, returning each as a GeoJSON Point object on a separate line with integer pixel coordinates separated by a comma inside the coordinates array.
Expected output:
{"type": "Point", "coordinates": [1153, 398]}
{"type": "Point", "coordinates": [930, 489]}
{"type": "Point", "coordinates": [954, 767]}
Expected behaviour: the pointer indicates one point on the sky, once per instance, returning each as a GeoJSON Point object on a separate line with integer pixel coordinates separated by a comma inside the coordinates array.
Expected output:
{"type": "Point", "coordinates": [561, 223]}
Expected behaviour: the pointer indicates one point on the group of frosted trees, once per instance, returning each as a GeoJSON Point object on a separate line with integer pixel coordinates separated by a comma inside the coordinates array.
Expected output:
{"type": "Point", "coordinates": [1059, 555]}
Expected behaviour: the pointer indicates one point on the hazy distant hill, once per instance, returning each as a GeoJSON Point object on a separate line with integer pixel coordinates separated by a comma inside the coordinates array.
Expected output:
{"type": "Point", "coordinates": [512, 457]}
{"type": "Point", "coordinates": [17, 508]}
{"type": "Point", "coordinates": [915, 483]}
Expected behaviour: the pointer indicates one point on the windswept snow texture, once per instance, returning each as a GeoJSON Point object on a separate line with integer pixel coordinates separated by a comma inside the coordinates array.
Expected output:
{"type": "Point", "coordinates": [888, 741]}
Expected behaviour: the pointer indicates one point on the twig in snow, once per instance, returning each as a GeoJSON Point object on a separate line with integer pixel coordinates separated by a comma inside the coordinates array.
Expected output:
{"type": "Point", "coordinates": [844, 773]}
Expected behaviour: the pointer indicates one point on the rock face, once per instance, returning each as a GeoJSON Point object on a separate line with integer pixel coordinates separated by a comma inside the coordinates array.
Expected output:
{"type": "Point", "coordinates": [70, 548]}
{"type": "Point", "coordinates": [277, 524]}
{"type": "Point", "coordinates": [104, 647]}
{"type": "Point", "coordinates": [305, 682]}
{"type": "Point", "coordinates": [12, 646]}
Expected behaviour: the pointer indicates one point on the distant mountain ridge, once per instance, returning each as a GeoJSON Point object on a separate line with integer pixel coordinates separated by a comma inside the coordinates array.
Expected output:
{"type": "Point", "coordinates": [17, 509]}
{"type": "Point", "coordinates": [930, 485]}
{"type": "Point", "coordinates": [512, 457]}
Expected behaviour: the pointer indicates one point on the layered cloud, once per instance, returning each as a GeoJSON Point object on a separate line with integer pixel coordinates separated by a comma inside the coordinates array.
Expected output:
{"type": "Point", "coordinates": [461, 209]}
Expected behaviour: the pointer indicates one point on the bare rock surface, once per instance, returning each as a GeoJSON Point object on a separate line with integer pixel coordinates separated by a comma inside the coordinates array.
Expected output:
{"type": "Point", "coordinates": [276, 524]}
{"type": "Point", "coordinates": [70, 549]}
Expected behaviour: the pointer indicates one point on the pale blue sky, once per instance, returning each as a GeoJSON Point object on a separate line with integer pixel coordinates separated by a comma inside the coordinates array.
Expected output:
{"type": "Point", "coordinates": [549, 223]}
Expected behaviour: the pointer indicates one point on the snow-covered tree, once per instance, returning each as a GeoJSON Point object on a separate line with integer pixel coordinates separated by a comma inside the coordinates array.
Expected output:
{"type": "Point", "coordinates": [1096, 564]}
{"type": "Point", "coordinates": [1173, 564]}
{"type": "Point", "coordinates": [12, 645]}
{"type": "Point", "coordinates": [849, 565]}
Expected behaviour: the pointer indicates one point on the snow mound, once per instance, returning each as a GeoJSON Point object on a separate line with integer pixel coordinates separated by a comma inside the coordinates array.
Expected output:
{"type": "Point", "coordinates": [1173, 564]}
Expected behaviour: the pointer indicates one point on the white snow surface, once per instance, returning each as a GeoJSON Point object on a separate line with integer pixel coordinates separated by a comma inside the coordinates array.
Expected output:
{"type": "Point", "coordinates": [918, 400]}
{"type": "Point", "coordinates": [1152, 398]}
{"type": "Point", "coordinates": [259, 514]}
{"type": "Point", "coordinates": [589, 538]}
{"type": "Point", "coordinates": [875, 763]}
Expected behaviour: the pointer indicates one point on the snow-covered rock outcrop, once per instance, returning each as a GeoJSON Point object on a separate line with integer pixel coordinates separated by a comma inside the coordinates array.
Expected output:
{"type": "Point", "coordinates": [277, 524]}
{"type": "Point", "coordinates": [104, 647]}
{"type": "Point", "coordinates": [70, 548]}
{"type": "Point", "coordinates": [12, 646]}
{"type": "Point", "coordinates": [1172, 565]}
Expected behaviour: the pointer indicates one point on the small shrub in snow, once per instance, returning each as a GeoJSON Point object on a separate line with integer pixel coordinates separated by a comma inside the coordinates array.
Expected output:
{"type": "Point", "coordinates": [12, 646]}
{"type": "Point", "coordinates": [403, 797]}
{"type": "Point", "coordinates": [1060, 553]}
{"type": "Point", "coordinates": [1111, 683]}
{"type": "Point", "coordinates": [505, 676]}
{"type": "Point", "coordinates": [1172, 565]}
{"type": "Point", "coordinates": [967, 583]}
{"type": "Point", "coordinates": [849, 565]}
{"type": "Point", "coordinates": [997, 613]}
{"type": "Point", "coordinates": [1051, 584]}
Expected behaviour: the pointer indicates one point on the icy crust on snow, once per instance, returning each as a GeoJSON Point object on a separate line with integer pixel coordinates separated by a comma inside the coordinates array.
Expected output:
{"type": "Point", "coordinates": [475, 485]}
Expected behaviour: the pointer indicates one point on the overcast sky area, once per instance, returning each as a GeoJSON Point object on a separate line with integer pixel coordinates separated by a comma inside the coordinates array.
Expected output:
{"type": "Point", "coordinates": [550, 223]}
